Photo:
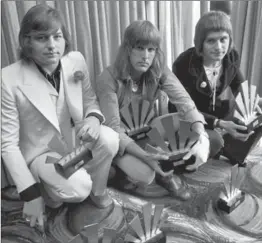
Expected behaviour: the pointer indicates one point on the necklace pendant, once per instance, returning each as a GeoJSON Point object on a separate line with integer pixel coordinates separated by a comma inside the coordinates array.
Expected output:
{"type": "Point", "coordinates": [134, 87]}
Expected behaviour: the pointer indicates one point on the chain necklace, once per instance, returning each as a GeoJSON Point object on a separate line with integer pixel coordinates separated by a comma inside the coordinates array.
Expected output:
{"type": "Point", "coordinates": [213, 74]}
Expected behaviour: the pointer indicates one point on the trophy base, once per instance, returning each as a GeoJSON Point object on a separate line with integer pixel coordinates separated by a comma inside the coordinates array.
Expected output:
{"type": "Point", "coordinates": [229, 205]}
{"type": "Point", "coordinates": [176, 157]}
{"type": "Point", "coordinates": [251, 126]}
{"type": "Point", "coordinates": [254, 124]}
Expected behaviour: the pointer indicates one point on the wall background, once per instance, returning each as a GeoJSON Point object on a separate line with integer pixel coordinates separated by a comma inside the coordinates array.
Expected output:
{"type": "Point", "coordinates": [97, 27]}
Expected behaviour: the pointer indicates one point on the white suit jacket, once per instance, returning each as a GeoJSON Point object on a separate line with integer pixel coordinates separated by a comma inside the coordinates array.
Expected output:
{"type": "Point", "coordinates": [29, 119]}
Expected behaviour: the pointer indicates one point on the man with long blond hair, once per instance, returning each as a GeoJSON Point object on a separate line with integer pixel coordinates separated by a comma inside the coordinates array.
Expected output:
{"type": "Point", "coordinates": [139, 72]}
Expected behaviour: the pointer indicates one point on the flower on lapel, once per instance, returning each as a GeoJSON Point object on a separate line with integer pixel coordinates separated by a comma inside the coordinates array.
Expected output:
{"type": "Point", "coordinates": [203, 84]}
{"type": "Point", "coordinates": [78, 76]}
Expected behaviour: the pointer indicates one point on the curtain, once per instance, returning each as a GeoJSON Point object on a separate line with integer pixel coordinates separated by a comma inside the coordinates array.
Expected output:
{"type": "Point", "coordinates": [177, 20]}
{"type": "Point", "coordinates": [247, 30]}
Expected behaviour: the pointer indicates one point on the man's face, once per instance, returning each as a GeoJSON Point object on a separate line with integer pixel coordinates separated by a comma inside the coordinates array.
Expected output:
{"type": "Point", "coordinates": [47, 49]}
{"type": "Point", "coordinates": [141, 57]}
{"type": "Point", "coordinates": [215, 46]}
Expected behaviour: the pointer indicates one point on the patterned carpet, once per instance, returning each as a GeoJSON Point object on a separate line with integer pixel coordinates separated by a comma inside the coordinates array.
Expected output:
{"type": "Point", "coordinates": [198, 220]}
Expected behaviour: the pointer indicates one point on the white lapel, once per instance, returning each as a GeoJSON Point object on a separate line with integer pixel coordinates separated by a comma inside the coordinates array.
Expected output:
{"type": "Point", "coordinates": [36, 90]}
{"type": "Point", "coordinates": [73, 90]}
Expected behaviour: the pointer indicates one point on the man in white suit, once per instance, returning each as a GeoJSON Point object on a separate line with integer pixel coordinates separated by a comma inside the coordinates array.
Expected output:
{"type": "Point", "coordinates": [46, 96]}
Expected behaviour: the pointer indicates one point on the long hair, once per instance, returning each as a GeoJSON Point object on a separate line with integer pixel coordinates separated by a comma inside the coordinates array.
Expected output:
{"type": "Point", "coordinates": [40, 18]}
{"type": "Point", "coordinates": [212, 21]}
{"type": "Point", "coordinates": [140, 32]}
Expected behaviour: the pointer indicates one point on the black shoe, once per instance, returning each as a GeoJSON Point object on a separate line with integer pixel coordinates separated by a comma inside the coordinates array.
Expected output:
{"type": "Point", "coordinates": [176, 189]}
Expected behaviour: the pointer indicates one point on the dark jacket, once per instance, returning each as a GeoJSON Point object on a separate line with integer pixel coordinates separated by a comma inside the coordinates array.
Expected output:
{"type": "Point", "coordinates": [189, 69]}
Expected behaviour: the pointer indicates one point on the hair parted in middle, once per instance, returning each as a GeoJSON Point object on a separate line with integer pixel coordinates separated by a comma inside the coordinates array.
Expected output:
{"type": "Point", "coordinates": [41, 18]}
{"type": "Point", "coordinates": [140, 32]}
{"type": "Point", "coordinates": [209, 22]}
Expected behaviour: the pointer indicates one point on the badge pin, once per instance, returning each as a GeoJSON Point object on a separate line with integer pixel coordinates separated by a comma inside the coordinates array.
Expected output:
{"type": "Point", "coordinates": [203, 84]}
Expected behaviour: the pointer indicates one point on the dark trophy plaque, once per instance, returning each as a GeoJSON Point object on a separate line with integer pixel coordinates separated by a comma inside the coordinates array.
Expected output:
{"type": "Point", "coordinates": [71, 162]}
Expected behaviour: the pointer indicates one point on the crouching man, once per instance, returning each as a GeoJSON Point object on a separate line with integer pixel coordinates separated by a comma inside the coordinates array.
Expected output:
{"type": "Point", "coordinates": [47, 95]}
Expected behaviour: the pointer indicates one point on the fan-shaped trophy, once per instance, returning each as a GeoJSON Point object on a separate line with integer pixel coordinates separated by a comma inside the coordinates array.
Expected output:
{"type": "Point", "coordinates": [246, 113]}
{"type": "Point", "coordinates": [173, 136]}
{"type": "Point", "coordinates": [246, 106]}
{"type": "Point", "coordinates": [232, 196]}
{"type": "Point", "coordinates": [135, 118]}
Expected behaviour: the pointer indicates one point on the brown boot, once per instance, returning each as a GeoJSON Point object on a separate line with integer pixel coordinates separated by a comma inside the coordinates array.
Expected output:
{"type": "Point", "coordinates": [175, 188]}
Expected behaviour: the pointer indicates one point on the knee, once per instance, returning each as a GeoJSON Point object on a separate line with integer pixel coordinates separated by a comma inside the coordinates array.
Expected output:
{"type": "Point", "coordinates": [145, 179]}
{"type": "Point", "coordinates": [81, 186]}
{"type": "Point", "coordinates": [136, 171]}
{"type": "Point", "coordinates": [109, 140]}
{"type": "Point", "coordinates": [148, 178]}
{"type": "Point", "coordinates": [216, 142]}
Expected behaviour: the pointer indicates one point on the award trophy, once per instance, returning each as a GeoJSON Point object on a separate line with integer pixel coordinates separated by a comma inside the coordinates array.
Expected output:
{"type": "Point", "coordinates": [70, 162]}
{"type": "Point", "coordinates": [135, 118]}
{"type": "Point", "coordinates": [176, 140]}
{"type": "Point", "coordinates": [245, 114]}
{"type": "Point", "coordinates": [232, 196]}
{"type": "Point", "coordinates": [246, 102]}
{"type": "Point", "coordinates": [142, 230]}
{"type": "Point", "coordinates": [148, 229]}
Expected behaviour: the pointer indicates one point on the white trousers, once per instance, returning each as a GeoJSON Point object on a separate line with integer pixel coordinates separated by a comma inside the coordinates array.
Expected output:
{"type": "Point", "coordinates": [79, 185]}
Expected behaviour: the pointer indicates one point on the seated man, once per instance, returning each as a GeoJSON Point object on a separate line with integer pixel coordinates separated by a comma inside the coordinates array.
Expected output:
{"type": "Point", "coordinates": [211, 75]}
{"type": "Point", "coordinates": [139, 72]}
{"type": "Point", "coordinates": [43, 95]}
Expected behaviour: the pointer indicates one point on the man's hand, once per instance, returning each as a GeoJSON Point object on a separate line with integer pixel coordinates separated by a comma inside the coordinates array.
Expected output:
{"type": "Point", "coordinates": [260, 101]}
{"type": "Point", "coordinates": [258, 108]}
{"type": "Point", "coordinates": [200, 150]}
{"type": "Point", "coordinates": [33, 211]}
{"type": "Point", "coordinates": [152, 161]}
{"type": "Point", "coordinates": [235, 130]}
{"type": "Point", "coordinates": [88, 130]}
